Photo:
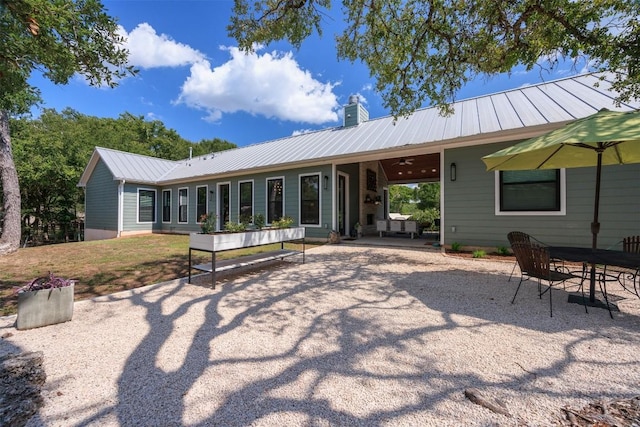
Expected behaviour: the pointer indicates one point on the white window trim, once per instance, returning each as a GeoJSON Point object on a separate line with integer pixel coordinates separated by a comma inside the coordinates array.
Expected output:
{"type": "Point", "coordinates": [155, 205]}
{"type": "Point", "coordinates": [206, 201]}
{"type": "Point", "coordinates": [253, 200]}
{"type": "Point", "coordinates": [563, 199]}
{"type": "Point", "coordinates": [320, 188]}
{"type": "Point", "coordinates": [266, 197]}
{"type": "Point", "coordinates": [187, 221]}
{"type": "Point", "coordinates": [170, 206]}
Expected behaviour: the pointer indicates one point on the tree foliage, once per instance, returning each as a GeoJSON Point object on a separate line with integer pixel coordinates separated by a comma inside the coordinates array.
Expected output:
{"type": "Point", "coordinates": [52, 151]}
{"type": "Point", "coordinates": [59, 39]}
{"type": "Point", "coordinates": [424, 51]}
{"type": "Point", "coordinates": [399, 197]}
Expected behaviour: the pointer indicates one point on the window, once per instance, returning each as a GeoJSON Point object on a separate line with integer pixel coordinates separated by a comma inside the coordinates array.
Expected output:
{"type": "Point", "coordinates": [310, 199]}
{"type": "Point", "coordinates": [183, 204]}
{"type": "Point", "coordinates": [533, 190]}
{"type": "Point", "coordinates": [246, 201]}
{"type": "Point", "coordinates": [275, 199]}
{"type": "Point", "coordinates": [166, 205]}
{"type": "Point", "coordinates": [201, 202]}
{"type": "Point", "coordinates": [146, 205]}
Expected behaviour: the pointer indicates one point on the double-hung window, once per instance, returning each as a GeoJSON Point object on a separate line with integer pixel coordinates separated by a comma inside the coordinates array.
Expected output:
{"type": "Point", "coordinates": [275, 199]}
{"type": "Point", "coordinates": [245, 207]}
{"type": "Point", "coordinates": [146, 205]}
{"type": "Point", "coordinates": [166, 205]}
{"type": "Point", "coordinates": [530, 191]}
{"type": "Point", "coordinates": [310, 199]}
{"type": "Point", "coordinates": [201, 202]}
{"type": "Point", "coordinates": [183, 204]}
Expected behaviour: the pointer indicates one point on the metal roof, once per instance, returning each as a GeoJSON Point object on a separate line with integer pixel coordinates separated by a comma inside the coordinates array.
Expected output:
{"type": "Point", "coordinates": [554, 102]}
{"type": "Point", "coordinates": [128, 166]}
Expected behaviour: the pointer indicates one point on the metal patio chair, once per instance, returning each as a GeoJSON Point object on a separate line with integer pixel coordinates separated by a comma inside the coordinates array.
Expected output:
{"type": "Point", "coordinates": [535, 263]}
{"type": "Point", "coordinates": [517, 237]}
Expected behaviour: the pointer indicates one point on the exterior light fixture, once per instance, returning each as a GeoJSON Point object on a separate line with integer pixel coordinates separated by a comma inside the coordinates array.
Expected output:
{"type": "Point", "coordinates": [452, 172]}
{"type": "Point", "coordinates": [326, 182]}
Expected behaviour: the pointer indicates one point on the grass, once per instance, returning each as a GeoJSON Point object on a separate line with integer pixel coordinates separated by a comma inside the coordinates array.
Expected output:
{"type": "Point", "coordinates": [106, 266]}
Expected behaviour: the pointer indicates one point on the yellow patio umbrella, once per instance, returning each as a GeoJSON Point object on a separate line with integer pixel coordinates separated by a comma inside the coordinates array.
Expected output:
{"type": "Point", "coordinates": [604, 138]}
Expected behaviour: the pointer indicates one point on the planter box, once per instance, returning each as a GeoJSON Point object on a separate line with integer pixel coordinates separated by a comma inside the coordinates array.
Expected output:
{"type": "Point", "coordinates": [246, 239]}
{"type": "Point", "coordinates": [44, 307]}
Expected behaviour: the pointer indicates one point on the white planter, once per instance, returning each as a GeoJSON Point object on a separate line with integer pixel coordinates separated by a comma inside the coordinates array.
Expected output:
{"type": "Point", "coordinates": [245, 239]}
{"type": "Point", "coordinates": [44, 307]}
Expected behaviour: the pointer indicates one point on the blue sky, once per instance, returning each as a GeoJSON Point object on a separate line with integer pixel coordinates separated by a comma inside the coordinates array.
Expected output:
{"type": "Point", "coordinates": [193, 78]}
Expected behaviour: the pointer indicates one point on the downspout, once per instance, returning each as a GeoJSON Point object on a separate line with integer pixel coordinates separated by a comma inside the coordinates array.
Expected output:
{"type": "Point", "coordinates": [120, 207]}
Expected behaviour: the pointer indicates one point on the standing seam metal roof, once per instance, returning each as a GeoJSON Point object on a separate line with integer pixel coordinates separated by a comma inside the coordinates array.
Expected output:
{"type": "Point", "coordinates": [546, 103]}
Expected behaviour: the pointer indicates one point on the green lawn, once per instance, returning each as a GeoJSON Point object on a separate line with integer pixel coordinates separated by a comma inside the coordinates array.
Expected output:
{"type": "Point", "coordinates": [105, 266]}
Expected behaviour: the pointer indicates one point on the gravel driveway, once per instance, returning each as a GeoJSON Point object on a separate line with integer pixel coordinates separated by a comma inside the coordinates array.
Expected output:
{"type": "Point", "coordinates": [355, 336]}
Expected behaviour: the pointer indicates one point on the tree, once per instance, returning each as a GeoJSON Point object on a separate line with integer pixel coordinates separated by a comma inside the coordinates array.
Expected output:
{"type": "Point", "coordinates": [59, 39]}
{"type": "Point", "coordinates": [51, 152]}
{"type": "Point", "coordinates": [426, 50]}
{"type": "Point", "coordinates": [399, 197]}
{"type": "Point", "coordinates": [427, 195]}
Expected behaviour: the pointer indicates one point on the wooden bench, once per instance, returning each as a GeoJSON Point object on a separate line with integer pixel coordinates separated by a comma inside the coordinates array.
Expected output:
{"type": "Point", "coordinates": [215, 243]}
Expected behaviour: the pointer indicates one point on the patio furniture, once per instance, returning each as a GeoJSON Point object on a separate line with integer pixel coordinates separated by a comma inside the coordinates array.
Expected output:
{"type": "Point", "coordinates": [535, 263]}
{"type": "Point", "coordinates": [395, 226]}
{"type": "Point", "coordinates": [604, 259]}
{"type": "Point", "coordinates": [631, 245]}
{"type": "Point", "coordinates": [517, 237]}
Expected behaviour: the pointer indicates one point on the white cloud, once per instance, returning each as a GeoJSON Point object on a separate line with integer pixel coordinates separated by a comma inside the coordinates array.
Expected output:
{"type": "Point", "coordinates": [301, 132]}
{"type": "Point", "coordinates": [272, 85]}
{"type": "Point", "coordinates": [147, 49]}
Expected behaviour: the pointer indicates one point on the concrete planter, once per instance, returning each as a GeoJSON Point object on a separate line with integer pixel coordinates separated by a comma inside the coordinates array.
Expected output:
{"type": "Point", "coordinates": [44, 307]}
{"type": "Point", "coordinates": [245, 239]}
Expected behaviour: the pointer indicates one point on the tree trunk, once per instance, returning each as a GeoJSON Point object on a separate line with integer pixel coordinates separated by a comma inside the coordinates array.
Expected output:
{"type": "Point", "coordinates": [10, 224]}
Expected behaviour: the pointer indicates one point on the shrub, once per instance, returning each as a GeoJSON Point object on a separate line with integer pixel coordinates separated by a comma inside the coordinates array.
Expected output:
{"type": "Point", "coordinates": [208, 222]}
{"type": "Point", "coordinates": [284, 222]}
{"type": "Point", "coordinates": [234, 227]}
{"type": "Point", "coordinates": [258, 221]}
{"type": "Point", "coordinates": [456, 247]}
{"type": "Point", "coordinates": [479, 253]}
{"type": "Point", "coordinates": [503, 250]}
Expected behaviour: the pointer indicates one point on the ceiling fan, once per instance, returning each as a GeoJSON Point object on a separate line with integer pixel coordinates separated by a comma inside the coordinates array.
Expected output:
{"type": "Point", "coordinates": [404, 162]}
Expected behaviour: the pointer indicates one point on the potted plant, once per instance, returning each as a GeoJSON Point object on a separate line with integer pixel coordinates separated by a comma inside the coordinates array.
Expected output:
{"type": "Point", "coordinates": [259, 221]}
{"type": "Point", "coordinates": [45, 301]}
{"type": "Point", "coordinates": [208, 223]}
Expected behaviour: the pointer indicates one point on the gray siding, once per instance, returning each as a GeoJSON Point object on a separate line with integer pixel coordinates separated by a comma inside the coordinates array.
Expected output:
{"type": "Point", "coordinates": [469, 205]}
{"type": "Point", "coordinates": [130, 218]}
{"type": "Point", "coordinates": [291, 198]}
{"type": "Point", "coordinates": [101, 202]}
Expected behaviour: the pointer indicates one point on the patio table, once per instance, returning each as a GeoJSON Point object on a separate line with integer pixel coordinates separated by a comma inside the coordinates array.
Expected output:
{"type": "Point", "coordinates": [593, 257]}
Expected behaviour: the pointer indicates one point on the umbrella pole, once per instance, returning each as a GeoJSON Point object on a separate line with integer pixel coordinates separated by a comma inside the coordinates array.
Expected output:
{"type": "Point", "coordinates": [595, 225]}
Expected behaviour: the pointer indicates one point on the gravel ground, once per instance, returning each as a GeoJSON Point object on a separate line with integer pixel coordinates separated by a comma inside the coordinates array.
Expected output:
{"type": "Point", "coordinates": [355, 336]}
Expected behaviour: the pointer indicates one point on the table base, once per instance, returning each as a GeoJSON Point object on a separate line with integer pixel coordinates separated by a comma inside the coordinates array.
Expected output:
{"type": "Point", "coordinates": [577, 299]}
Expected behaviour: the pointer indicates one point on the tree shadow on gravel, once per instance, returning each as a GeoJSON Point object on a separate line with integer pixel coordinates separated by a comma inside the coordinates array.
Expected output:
{"type": "Point", "coordinates": [344, 339]}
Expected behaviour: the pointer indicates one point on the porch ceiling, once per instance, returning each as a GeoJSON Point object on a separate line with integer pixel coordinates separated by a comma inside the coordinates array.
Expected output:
{"type": "Point", "coordinates": [409, 169]}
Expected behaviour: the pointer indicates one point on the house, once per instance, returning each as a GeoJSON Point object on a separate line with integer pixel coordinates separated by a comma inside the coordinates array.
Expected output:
{"type": "Point", "coordinates": [334, 178]}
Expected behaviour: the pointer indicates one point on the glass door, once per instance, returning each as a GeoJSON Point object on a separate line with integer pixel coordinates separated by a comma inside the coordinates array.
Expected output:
{"type": "Point", "coordinates": [342, 205]}
{"type": "Point", "coordinates": [224, 214]}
